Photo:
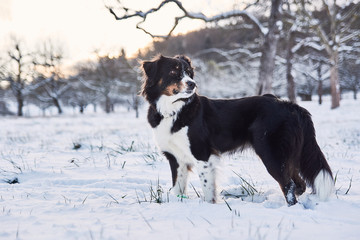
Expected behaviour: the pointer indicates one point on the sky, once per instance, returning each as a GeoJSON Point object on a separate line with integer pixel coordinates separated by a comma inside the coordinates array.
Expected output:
{"type": "Point", "coordinates": [82, 26]}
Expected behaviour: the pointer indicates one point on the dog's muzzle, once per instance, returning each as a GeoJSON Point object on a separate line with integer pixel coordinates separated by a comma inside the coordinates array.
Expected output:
{"type": "Point", "coordinates": [191, 85]}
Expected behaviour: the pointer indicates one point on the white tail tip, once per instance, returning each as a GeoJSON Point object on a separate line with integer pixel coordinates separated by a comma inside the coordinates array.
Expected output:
{"type": "Point", "coordinates": [323, 185]}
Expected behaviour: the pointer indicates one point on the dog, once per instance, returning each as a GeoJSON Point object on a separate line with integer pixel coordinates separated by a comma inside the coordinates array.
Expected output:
{"type": "Point", "coordinates": [193, 130]}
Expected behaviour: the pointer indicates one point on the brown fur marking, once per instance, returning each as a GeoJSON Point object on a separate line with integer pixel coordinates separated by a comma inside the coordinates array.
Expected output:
{"type": "Point", "coordinates": [169, 90]}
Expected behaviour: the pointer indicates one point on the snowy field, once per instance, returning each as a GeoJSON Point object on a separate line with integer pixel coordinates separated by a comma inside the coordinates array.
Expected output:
{"type": "Point", "coordinates": [98, 176]}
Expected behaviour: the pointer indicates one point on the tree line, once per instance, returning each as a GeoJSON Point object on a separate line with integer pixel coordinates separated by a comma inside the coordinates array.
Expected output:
{"type": "Point", "coordinates": [322, 32]}
{"type": "Point", "coordinates": [37, 77]}
{"type": "Point", "coordinates": [286, 47]}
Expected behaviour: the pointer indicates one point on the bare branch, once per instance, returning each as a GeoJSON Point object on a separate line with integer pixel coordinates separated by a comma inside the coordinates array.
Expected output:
{"type": "Point", "coordinates": [317, 27]}
{"type": "Point", "coordinates": [230, 55]}
{"type": "Point", "coordinates": [198, 16]}
{"type": "Point", "coordinates": [349, 18]}
{"type": "Point", "coordinates": [353, 14]}
{"type": "Point", "coordinates": [350, 36]}
{"type": "Point", "coordinates": [88, 85]}
{"type": "Point", "coordinates": [327, 9]}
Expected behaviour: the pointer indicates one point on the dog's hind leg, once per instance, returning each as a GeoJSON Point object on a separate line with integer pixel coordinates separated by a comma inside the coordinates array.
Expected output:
{"type": "Point", "coordinates": [279, 169]}
{"type": "Point", "coordinates": [281, 173]}
{"type": "Point", "coordinates": [299, 182]}
{"type": "Point", "coordinates": [277, 163]}
{"type": "Point", "coordinates": [207, 173]}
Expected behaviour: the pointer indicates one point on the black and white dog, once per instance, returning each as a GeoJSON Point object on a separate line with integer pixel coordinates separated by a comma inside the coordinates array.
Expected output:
{"type": "Point", "coordinates": [193, 130]}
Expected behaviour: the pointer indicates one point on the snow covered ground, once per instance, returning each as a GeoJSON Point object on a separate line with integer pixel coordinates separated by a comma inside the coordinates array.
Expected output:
{"type": "Point", "coordinates": [108, 187]}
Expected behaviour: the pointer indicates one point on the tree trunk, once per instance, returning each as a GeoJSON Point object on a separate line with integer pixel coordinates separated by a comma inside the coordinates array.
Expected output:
{"type": "Point", "coordinates": [136, 112]}
{"type": "Point", "coordinates": [334, 81]}
{"type": "Point", "coordinates": [289, 77]}
{"type": "Point", "coordinates": [320, 91]}
{"type": "Point", "coordinates": [107, 104]}
{"type": "Point", "coordinates": [320, 83]}
{"type": "Point", "coordinates": [20, 101]}
{"type": "Point", "coordinates": [268, 53]}
{"type": "Point", "coordinates": [355, 94]}
{"type": "Point", "coordinates": [57, 105]}
{"type": "Point", "coordinates": [137, 106]}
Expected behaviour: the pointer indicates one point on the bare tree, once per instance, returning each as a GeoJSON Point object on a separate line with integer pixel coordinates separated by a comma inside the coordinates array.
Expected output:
{"type": "Point", "coordinates": [320, 79]}
{"type": "Point", "coordinates": [333, 34]}
{"type": "Point", "coordinates": [4, 110]}
{"type": "Point", "coordinates": [316, 73]}
{"type": "Point", "coordinates": [78, 95]}
{"type": "Point", "coordinates": [292, 29]}
{"type": "Point", "coordinates": [294, 46]}
{"type": "Point", "coordinates": [17, 72]}
{"type": "Point", "coordinates": [350, 73]}
{"type": "Point", "coordinates": [48, 61]}
{"type": "Point", "coordinates": [267, 60]}
{"type": "Point", "coordinates": [18, 81]}
{"type": "Point", "coordinates": [230, 65]}
{"type": "Point", "coordinates": [270, 33]}
{"type": "Point", "coordinates": [289, 76]}
{"type": "Point", "coordinates": [109, 76]}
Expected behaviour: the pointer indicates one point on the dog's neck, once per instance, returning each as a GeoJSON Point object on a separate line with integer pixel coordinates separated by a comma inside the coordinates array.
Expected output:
{"type": "Point", "coordinates": [168, 106]}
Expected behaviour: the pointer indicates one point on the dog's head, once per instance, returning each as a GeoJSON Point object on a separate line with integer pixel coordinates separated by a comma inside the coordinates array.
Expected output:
{"type": "Point", "coordinates": [168, 79]}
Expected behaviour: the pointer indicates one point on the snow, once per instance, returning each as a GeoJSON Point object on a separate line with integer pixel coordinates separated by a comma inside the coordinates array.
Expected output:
{"type": "Point", "coordinates": [107, 189]}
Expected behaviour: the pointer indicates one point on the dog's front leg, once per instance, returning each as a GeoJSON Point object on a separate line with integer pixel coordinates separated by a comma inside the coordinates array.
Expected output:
{"type": "Point", "coordinates": [180, 174]}
{"type": "Point", "coordinates": [181, 182]}
{"type": "Point", "coordinates": [207, 173]}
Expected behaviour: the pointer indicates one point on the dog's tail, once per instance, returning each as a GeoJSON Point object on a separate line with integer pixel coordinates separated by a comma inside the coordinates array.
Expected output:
{"type": "Point", "coordinates": [313, 166]}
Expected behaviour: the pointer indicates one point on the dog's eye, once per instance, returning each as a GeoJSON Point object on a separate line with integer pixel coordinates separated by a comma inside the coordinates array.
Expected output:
{"type": "Point", "coordinates": [173, 72]}
{"type": "Point", "coordinates": [189, 72]}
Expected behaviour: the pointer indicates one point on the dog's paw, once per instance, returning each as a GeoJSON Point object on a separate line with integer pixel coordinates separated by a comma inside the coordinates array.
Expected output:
{"type": "Point", "coordinates": [176, 191]}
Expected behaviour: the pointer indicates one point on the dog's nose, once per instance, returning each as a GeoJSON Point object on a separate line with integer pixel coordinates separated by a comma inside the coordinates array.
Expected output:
{"type": "Point", "coordinates": [191, 85]}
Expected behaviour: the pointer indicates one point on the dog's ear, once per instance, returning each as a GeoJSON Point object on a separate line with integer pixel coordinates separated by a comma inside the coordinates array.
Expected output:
{"type": "Point", "coordinates": [188, 61]}
{"type": "Point", "coordinates": [149, 69]}
{"type": "Point", "coordinates": [185, 58]}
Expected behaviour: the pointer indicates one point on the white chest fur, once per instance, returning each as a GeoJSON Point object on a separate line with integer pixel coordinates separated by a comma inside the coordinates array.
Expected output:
{"type": "Point", "coordinates": [177, 143]}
